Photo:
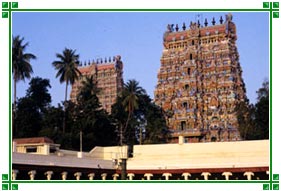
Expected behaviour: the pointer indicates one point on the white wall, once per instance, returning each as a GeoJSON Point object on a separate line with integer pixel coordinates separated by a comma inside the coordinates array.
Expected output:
{"type": "Point", "coordinates": [193, 155]}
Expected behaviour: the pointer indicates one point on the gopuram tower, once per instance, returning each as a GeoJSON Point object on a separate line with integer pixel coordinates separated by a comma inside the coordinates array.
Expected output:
{"type": "Point", "coordinates": [200, 81]}
{"type": "Point", "coordinates": [108, 75]}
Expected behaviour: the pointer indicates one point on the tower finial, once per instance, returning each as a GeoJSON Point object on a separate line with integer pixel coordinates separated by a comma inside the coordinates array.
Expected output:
{"type": "Point", "coordinates": [221, 20]}
{"type": "Point", "coordinates": [177, 27]}
{"type": "Point", "coordinates": [206, 22]}
{"type": "Point", "coordinates": [183, 26]}
{"type": "Point", "coordinates": [213, 21]}
{"type": "Point", "coordinates": [172, 27]}
{"type": "Point", "coordinates": [169, 29]}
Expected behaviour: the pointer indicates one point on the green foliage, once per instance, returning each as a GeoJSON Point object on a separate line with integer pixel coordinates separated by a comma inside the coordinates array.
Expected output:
{"type": "Point", "coordinates": [21, 66]}
{"type": "Point", "coordinates": [67, 71]}
{"type": "Point", "coordinates": [245, 115]}
{"type": "Point", "coordinates": [27, 119]}
{"type": "Point", "coordinates": [38, 92]}
{"type": "Point", "coordinates": [263, 92]}
{"type": "Point", "coordinates": [262, 111]}
{"type": "Point", "coordinates": [88, 90]}
{"type": "Point", "coordinates": [137, 118]}
{"type": "Point", "coordinates": [30, 109]}
{"type": "Point", "coordinates": [52, 123]}
{"type": "Point", "coordinates": [131, 94]}
{"type": "Point", "coordinates": [67, 66]}
{"type": "Point", "coordinates": [253, 120]}
{"type": "Point", "coordinates": [119, 116]}
{"type": "Point", "coordinates": [156, 130]}
{"type": "Point", "coordinates": [86, 115]}
{"type": "Point", "coordinates": [91, 119]}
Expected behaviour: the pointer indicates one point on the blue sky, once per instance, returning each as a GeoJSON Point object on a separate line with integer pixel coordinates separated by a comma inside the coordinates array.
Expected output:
{"type": "Point", "coordinates": [137, 37]}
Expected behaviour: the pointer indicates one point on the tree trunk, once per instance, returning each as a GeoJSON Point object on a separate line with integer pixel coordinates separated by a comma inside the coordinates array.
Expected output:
{"type": "Point", "coordinates": [66, 86]}
{"type": "Point", "coordinates": [14, 109]}
{"type": "Point", "coordinates": [64, 113]}
{"type": "Point", "coordinates": [130, 111]}
{"type": "Point", "coordinates": [127, 122]}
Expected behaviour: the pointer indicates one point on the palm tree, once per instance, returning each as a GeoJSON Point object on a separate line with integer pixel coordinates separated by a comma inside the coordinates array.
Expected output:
{"type": "Point", "coordinates": [88, 88]}
{"type": "Point", "coordinates": [67, 67]}
{"type": "Point", "coordinates": [21, 66]}
{"type": "Point", "coordinates": [21, 62]}
{"type": "Point", "coordinates": [131, 93]}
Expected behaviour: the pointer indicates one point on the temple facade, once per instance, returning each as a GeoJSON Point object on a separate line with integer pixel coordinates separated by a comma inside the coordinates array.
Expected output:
{"type": "Point", "coordinates": [107, 74]}
{"type": "Point", "coordinates": [200, 81]}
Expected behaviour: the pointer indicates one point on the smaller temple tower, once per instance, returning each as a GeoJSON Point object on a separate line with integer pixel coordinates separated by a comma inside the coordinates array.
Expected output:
{"type": "Point", "coordinates": [108, 74]}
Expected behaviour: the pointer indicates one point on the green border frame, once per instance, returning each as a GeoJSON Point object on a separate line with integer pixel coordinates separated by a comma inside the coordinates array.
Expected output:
{"type": "Point", "coordinates": [9, 7]}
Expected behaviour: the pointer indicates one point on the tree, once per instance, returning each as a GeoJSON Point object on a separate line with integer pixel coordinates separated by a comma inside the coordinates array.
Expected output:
{"type": "Point", "coordinates": [262, 111]}
{"type": "Point", "coordinates": [145, 123]}
{"type": "Point", "coordinates": [31, 108]}
{"type": "Point", "coordinates": [52, 123]}
{"type": "Point", "coordinates": [66, 138]}
{"type": "Point", "coordinates": [156, 130]}
{"type": "Point", "coordinates": [38, 92]}
{"type": "Point", "coordinates": [67, 67]}
{"type": "Point", "coordinates": [119, 117]}
{"type": "Point", "coordinates": [91, 119]}
{"type": "Point", "coordinates": [88, 90]}
{"type": "Point", "coordinates": [21, 66]}
{"type": "Point", "coordinates": [253, 120]}
{"type": "Point", "coordinates": [88, 102]}
{"type": "Point", "coordinates": [263, 92]}
{"type": "Point", "coordinates": [246, 120]}
{"type": "Point", "coordinates": [131, 93]}
{"type": "Point", "coordinates": [28, 119]}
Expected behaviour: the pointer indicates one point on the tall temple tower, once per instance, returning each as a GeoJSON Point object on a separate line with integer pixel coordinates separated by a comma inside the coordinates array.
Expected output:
{"type": "Point", "coordinates": [200, 81]}
{"type": "Point", "coordinates": [108, 74]}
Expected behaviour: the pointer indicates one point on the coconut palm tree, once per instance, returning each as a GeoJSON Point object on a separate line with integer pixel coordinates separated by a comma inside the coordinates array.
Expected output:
{"type": "Point", "coordinates": [88, 88]}
{"type": "Point", "coordinates": [21, 67]}
{"type": "Point", "coordinates": [67, 67]}
{"type": "Point", "coordinates": [131, 93]}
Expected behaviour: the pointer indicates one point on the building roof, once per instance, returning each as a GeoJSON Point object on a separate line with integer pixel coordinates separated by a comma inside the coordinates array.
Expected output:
{"type": "Point", "coordinates": [86, 69]}
{"type": "Point", "coordinates": [61, 161]}
{"type": "Point", "coordinates": [106, 66]}
{"type": "Point", "coordinates": [33, 140]}
{"type": "Point", "coordinates": [90, 68]}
